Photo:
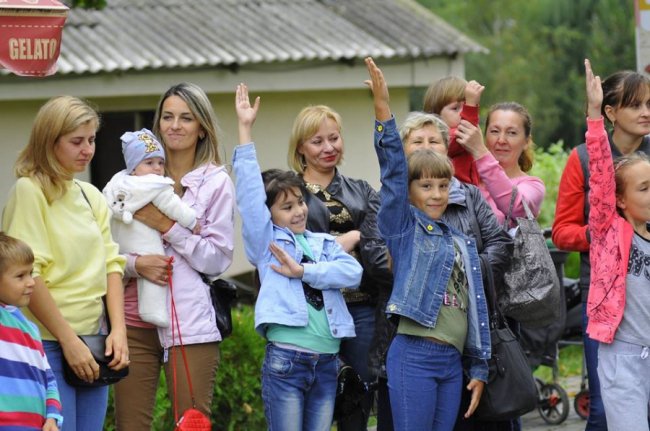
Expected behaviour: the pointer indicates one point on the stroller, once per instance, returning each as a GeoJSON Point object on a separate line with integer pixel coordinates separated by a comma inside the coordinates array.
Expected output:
{"type": "Point", "coordinates": [542, 348]}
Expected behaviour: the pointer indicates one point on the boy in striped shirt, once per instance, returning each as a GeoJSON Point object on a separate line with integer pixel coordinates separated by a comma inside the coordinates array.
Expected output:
{"type": "Point", "coordinates": [29, 398]}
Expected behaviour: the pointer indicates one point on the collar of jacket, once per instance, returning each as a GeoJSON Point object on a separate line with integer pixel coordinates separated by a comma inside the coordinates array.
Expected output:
{"type": "Point", "coordinates": [456, 192]}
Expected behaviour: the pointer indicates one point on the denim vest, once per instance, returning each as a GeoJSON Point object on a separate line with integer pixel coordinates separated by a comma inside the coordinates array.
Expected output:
{"type": "Point", "coordinates": [423, 254]}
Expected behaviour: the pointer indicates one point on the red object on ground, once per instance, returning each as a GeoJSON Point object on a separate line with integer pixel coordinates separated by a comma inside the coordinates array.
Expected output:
{"type": "Point", "coordinates": [30, 35]}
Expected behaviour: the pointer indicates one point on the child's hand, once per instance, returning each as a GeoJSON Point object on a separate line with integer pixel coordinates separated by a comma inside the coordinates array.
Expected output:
{"type": "Point", "coordinates": [379, 89]}
{"type": "Point", "coordinates": [288, 267]}
{"type": "Point", "coordinates": [594, 92]}
{"type": "Point", "coordinates": [471, 138]}
{"type": "Point", "coordinates": [246, 114]}
{"type": "Point", "coordinates": [476, 387]}
{"type": "Point", "coordinates": [473, 92]}
{"type": "Point", "coordinates": [50, 425]}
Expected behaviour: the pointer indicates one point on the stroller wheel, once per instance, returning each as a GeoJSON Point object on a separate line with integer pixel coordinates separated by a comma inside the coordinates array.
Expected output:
{"type": "Point", "coordinates": [553, 404]}
{"type": "Point", "coordinates": [581, 404]}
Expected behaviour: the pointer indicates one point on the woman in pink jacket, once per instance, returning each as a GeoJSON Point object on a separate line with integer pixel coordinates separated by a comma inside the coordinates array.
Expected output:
{"type": "Point", "coordinates": [185, 124]}
{"type": "Point", "coordinates": [618, 306]}
{"type": "Point", "coordinates": [504, 158]}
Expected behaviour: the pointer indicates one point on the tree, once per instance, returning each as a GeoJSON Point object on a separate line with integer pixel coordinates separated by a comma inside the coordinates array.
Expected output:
{"type": "Point", "coordinates": [537, 50]}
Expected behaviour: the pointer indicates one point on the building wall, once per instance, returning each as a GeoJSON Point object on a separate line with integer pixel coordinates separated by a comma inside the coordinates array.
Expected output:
{"type": "Point", "coordinates": [284, 91]}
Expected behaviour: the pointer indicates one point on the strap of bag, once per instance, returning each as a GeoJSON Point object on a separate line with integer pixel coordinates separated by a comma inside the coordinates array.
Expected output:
{"type": "Point", "coordinates": [106, 317]}
{"type": "Point", "coordinates": [513, 196]}
{"type": "Point", "coordinates": [176, 327]}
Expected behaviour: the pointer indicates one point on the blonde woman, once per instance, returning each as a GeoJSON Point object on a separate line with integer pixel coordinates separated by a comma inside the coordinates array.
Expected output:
{"type": "Point", "coordinates": [66, 223]}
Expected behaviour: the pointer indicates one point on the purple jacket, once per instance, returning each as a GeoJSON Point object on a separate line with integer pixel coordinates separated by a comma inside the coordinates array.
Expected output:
{"type": "Point", "coordinates": [210, 192]}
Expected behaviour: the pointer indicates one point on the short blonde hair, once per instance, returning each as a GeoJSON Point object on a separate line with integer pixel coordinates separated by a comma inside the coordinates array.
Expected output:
{"type": "Point", "coordinates": [57, 117]}
{"type": "Point", "coordinates": [426, 163]}
{"type": "Point", "coordinates": [305, 126]}
{"type": "Point", "coordinates": [443, 92]}
{"type": "Point", "coordinates": [417, 120]}
{"type": "Point", "coordinates": [13, 252]}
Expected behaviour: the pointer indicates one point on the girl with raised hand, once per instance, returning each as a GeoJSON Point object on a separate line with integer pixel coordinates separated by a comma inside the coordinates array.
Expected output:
{"type": "Point", "coordinates": [618, 306]}
{"type": "Point", "coordinates": [437, 293]}
{"type": "Point", "coordinates": [300, 309]}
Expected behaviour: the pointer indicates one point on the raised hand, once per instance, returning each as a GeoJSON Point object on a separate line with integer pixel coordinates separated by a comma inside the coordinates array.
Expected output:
{"type": "Point", "coordinates": [379, 88]}
{"type": "Point", "coordinates": [473, 92]}
{"type": "Point", "coordinates": [471, 138]}
{"type": "Point", "coordinates": [594, 92]}
{"type": "Point", "coordinates": [246, 114]}
{"type": "Point", "coordinates": [288, 267]}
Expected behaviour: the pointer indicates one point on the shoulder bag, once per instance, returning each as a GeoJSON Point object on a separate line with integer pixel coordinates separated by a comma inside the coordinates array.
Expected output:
{"type": "Point", "coordinates": [97, 345]}
{"type": "Point", "coordinates": [531, 291]}
{"type": "Point", "coordinates": [510, 390]}
{"type": "Point", "coordinates": [222, 294]}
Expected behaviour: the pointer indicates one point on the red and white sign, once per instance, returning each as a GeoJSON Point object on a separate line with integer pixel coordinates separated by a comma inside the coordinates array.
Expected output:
{"type": "Point", "coordinates": [30, 35]}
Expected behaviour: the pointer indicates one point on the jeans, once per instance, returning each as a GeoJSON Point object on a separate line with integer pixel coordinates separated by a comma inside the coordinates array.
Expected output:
{"type": "Point", "coordinates": [424, 381]}
{"type": "Point", "coordinates": [597, 420]}
{"type": "Point", "coordinates": [354, 352]}
{"type": "Point", "coordinates": [298, 389]}
{"type": "Point", "coordinates": [84, 409]}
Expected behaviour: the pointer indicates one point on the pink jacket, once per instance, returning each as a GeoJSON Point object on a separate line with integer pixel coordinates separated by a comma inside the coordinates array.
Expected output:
{"type": "Point", "coordinates": [496, 187]}
{"type": "Point", "coordinates": [611, 239]}
{"type": "Point", "coordinates": [210, 192]}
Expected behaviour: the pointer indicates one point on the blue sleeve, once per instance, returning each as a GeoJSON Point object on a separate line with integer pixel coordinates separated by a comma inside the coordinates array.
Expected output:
{"type": "Point", "coordinates": [257, 227]}
{"type": "Point", "coordinates": [336, 270]}
{"type": "Point", "coordinates": [394, 216]}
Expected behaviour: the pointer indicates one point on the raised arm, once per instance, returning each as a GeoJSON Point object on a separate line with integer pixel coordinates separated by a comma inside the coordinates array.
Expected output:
{"type": "Point", "coordinates": [602, 196]}
{"type": "Point", "coordinates": [257, 228]}
{"type": "Point", "coordinates": [379, 89]}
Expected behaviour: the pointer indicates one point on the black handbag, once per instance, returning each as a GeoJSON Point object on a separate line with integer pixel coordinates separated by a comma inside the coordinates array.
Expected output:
{"type": "Point", "coordinates": [222, 294]}
{"type": "Point", "coordinates": [510, 390]}
{"type": "Point", "coordinates": [531, 293]}
{"type": "Point", "coordinates": [107, 376]}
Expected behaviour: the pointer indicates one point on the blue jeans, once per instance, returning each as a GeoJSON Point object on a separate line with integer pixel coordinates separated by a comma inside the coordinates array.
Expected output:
{"type": "Point", "coordinates": [354, 352]}
{"type": "Point", "coordinates": [84, 409]}
{"type": "Point", "coordinates": [597, 420]}
{"type": "Point", "coordinates": [298, 389]}
{"type": "Point", "coordinates": [425, 380]}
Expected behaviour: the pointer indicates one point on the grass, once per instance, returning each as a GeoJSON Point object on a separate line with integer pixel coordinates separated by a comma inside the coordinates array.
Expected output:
{"type": "Point", "coordinates": [569, 364]}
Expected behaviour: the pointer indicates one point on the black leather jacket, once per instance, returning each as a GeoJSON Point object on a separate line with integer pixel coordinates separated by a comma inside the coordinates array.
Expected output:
{"type": "Point", "coordinates": [494, 247]}
{"type": "Point", "coordinates": [362, 202]}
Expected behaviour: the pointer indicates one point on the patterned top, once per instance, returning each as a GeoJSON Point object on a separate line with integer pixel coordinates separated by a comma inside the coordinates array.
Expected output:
{"type": "Point", "coordinates": [340, 222]}
{"type": "Point", "coordinates": [28, 393]}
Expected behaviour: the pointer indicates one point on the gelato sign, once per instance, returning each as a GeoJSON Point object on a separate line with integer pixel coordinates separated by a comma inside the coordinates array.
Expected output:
{"type": "Point", "coordinates": [30, 35]}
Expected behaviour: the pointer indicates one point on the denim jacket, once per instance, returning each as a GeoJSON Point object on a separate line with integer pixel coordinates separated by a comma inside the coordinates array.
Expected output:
{"type": "Point", "coordinates": [423, 254]}
{"type": "Point", "coordinates": [281, 299]}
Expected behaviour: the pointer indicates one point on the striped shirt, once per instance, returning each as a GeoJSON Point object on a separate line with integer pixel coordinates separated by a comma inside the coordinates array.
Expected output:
{"type": "Point", "coordinates": [28, 391]}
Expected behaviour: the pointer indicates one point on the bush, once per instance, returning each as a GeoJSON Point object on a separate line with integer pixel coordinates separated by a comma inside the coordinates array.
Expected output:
{"type": "Point", "coordinates": [237, 402]}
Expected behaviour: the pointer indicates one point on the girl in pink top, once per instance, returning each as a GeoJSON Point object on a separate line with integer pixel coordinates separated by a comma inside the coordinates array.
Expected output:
{"type": "Point", "coordinates": [504, 159]}
{"type": "Point", "coordinates": [618, 306]}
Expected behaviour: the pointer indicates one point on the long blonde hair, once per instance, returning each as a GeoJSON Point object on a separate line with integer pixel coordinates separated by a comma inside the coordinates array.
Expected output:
{"type": "Point", "coordinates": [207, 147]}
{"type": "Point", "coordinates": [59, 116]}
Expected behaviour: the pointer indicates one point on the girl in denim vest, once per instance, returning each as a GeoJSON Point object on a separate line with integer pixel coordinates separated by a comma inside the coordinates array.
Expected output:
{"type": "Point", "coordinates": [300, 309]}
{"type": "Point", "coordinates": [618, 306]}
{"type": "Point", "coordinates": [438, 291]}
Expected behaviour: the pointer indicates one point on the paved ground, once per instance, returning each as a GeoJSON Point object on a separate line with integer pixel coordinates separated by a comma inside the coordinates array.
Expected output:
{"type": "Point", "coordinates": [534, 422]}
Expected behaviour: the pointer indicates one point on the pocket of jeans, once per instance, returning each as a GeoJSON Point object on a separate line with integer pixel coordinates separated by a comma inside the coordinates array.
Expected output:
{"type": "Point", "coordinates": [279, 366]}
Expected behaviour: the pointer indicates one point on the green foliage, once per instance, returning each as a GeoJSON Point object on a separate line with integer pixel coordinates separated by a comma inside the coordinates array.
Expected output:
{"type": "Point", "coordinates": [237, 403]}
{"type": "Point", "coordinates": [548, 165]}
{"type": "Point", "coordinates": [569, 364]}
{"type": "Point", "coordinates": [537, 51]}
{"type": "Point", "coordinates": [86, 4]}
{"type": "Point", "coordinates": [238, 395]}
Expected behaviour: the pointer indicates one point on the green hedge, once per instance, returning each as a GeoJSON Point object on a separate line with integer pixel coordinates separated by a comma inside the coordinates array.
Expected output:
{"type": "Point", "coordinates": [237, 403]}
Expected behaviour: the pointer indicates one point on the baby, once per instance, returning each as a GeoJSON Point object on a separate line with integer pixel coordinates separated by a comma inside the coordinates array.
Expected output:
{"type": "Point", "coordinates": [143, 182]}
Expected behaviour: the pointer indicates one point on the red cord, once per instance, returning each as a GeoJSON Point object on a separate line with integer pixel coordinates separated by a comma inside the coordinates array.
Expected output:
{"type": "Point", "coordinates": [180, 339]}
